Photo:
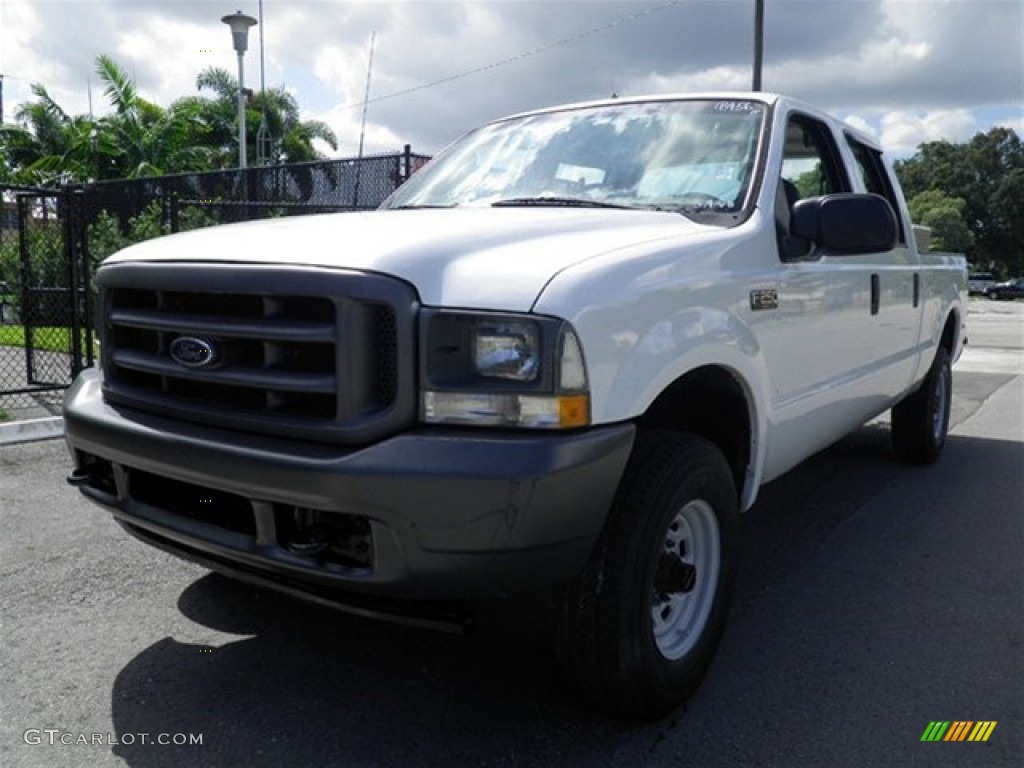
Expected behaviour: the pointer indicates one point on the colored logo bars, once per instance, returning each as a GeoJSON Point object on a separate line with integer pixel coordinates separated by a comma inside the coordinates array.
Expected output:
{"type": "Point", "coordinates": [958, 730]}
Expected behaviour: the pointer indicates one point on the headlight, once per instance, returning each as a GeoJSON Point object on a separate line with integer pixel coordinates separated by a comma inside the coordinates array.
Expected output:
{"type": "Point", "coordinates": [507, 350]}
{"type": "Point", "coordinates": [502, 370]}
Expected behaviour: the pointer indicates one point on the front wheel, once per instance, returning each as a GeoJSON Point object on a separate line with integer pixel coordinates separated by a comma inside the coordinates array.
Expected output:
{"type": "Point", "coordinates": [921, 420]}
{"type": "Point", "coordinates": [639, 628]}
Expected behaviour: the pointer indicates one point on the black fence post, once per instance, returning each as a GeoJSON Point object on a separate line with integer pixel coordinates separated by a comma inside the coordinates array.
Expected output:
{"type": "Point", "coordinates": [174, 209]}
{"type": "Point", "coordinates": [65, 211]}
{"type": "Point", "coordinates": [26, 309]}
{"type": "Point", "coordinates": [85, 277]}
{"type": "Point", "coordinates": [406, 165]}
{"type": "Point", "coordinates": [355, 184]}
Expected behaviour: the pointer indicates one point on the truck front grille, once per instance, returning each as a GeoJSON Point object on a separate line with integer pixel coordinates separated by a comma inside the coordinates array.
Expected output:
{"type": "Point", "coordinates": [314, 354]}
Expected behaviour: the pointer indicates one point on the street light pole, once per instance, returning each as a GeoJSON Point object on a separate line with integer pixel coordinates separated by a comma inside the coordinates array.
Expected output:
{"type": "Point", "coordinates": [758, 42]}
{"type": "Point", "coordinates": [242, 153]}
{"type": "Point", "coordinates": [240, 24]}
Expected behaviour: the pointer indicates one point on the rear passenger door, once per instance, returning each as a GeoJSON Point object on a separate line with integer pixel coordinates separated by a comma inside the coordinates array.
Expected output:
{"type": "Point", "coordinates": [897, 311]}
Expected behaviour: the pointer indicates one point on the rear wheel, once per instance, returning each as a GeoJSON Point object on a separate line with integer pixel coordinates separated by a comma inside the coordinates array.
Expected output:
{"type": "Point", "coordinates": [639, 628]}
{"type": "Point", "coordinates": [921, 420]}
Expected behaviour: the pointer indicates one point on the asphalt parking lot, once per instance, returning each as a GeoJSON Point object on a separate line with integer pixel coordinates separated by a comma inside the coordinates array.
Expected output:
{"type": "Point", "coordinates": [874, 599]}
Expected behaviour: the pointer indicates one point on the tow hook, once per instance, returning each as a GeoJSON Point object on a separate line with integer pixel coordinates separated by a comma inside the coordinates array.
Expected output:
{"type": "Point", "coordinates": [84, 475]}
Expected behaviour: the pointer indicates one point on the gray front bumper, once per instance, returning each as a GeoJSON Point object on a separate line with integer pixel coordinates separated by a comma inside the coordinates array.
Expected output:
{"type": "Point", "coordinates": [454, 514]}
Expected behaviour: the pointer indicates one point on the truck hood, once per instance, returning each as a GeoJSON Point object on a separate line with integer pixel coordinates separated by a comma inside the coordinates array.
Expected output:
{"type": "Point", "coordinates": [471, 258]}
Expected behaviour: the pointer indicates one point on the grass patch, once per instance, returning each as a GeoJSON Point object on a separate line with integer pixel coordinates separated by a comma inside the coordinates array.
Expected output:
{"type": "Point", "coordinates": [52, 338]}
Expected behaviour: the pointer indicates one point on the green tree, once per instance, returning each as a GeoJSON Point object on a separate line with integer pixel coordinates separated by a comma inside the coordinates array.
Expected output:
{"type": "Point", "coordinates": [48, 146]}
{"type": "Point", "coordinates": [1007, 220]}
{"type": "Point", "coordinates": [106, 235]}
{"type": "Point", "coordinates": [987, 174]}
{"type": "Point", "coordinates": [811, 183]}
{"type": "Point", "coordinates": [945, 217]}
{"type": "Point", "coordinates": [292, 139]}
{"type": "Point", "coordinates": [45, 145]}
{"type": "Point", "coordinates": [137, 138]}
{"type": "Point", "coordinates": [140, 138]}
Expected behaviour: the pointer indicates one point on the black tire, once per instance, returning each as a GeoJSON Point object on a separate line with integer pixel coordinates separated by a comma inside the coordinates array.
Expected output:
{"type": "Point", "coordinates": [633, 661]}
{"type": "Point", "coordinates": [921, 420]}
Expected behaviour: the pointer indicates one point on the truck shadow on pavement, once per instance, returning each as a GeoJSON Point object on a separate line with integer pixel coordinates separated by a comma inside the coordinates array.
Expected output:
{"type": "Point", "coordinates": [312, 686]}
{"type": "Point", "coordinates": [309, 686]}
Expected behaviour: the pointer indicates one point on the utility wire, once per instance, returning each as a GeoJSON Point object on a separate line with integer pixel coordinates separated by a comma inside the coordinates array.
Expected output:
{"type": "Point", "coordinates": [525, 55]}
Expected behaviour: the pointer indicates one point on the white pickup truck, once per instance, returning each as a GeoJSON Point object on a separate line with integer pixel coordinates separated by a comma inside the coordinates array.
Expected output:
{"type": "Point", "coordinates": [561, 359]}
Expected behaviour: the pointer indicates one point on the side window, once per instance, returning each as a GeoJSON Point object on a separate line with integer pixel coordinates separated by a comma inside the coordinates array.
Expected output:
{"type": "Point", "coordinates": [810, 167]}
{"type": "Point", "coordinates": [810, 160]}
{"type": "Point", "coordinates": [875, 176]}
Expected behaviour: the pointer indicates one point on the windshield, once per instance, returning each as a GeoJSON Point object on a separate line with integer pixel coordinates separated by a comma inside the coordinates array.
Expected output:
{"type": "Point", "coordinates": [693, 156]}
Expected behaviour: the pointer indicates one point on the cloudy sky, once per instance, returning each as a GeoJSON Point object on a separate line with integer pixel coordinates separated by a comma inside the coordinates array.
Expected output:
{"type": "Point", "coordinates": [908, 71]}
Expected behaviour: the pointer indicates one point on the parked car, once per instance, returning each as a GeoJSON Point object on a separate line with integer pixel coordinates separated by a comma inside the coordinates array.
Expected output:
{"type": "Point", "coordinates": [1010, 289]}
{"type": "Point", "coordinates": [978, 283]}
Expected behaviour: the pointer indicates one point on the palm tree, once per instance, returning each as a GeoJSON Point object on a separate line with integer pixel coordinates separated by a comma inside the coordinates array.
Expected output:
{"type": "Point", "coordinates": [292, 139]}
{"type": "Point", "coordinates": [138, 138]}
{"type": "Point", "coordinates": [45, 145]}
{"type": "Point", "coordinates": [217, 116]}
{"type": "Point", "coordinates": [141, 138]}
{"type": "Point", "coordinates": [295, 136]}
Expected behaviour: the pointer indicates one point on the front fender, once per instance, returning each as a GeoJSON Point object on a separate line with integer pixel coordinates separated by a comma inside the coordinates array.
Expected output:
{"type": "Point", "coordinates": [667, 350]}
{"type": "Point", "coordinates": [648, 316]}
{"type": "Point", "coordinates": [629, 369]}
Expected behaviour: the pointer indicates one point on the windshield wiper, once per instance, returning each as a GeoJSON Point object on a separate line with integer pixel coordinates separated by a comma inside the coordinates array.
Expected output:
{"type": "Point", "coordinates": [552, 201]}
{"type": "Point", "coordinates": [418, 207]}
{"type": "Point", "coordinates": [701, 213]}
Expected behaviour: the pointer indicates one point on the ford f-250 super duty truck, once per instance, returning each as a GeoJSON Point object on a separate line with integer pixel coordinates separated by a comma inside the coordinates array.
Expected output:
{"type": "Point", "coordinates": [561, 358]}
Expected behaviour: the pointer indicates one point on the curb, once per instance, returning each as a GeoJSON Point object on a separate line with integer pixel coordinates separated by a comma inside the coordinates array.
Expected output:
{"type": "Point", "coordinates": [991, 360]}
{"type": "Point", "coordinates": [31, 430]}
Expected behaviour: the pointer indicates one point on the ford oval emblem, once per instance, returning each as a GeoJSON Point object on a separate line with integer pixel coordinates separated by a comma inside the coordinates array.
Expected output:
{"type": "Point", "coordinates": [193, 352]}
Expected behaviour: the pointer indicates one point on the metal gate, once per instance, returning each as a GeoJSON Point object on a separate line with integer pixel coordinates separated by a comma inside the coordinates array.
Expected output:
{"type": "Point", "coordinates": [45, 328]}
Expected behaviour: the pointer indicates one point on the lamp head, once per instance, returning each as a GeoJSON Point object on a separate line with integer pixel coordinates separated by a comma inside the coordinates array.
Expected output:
{"type": "Point", "coordinates": [239, 24]}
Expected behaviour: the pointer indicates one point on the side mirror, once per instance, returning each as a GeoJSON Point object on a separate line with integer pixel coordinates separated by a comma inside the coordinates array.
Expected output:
{"type": "Point", "coordinates": [846, 223]}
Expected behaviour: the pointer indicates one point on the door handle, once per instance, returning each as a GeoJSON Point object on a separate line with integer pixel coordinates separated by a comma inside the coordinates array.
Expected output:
{"type": "Point", "coordinates": [876, 290]}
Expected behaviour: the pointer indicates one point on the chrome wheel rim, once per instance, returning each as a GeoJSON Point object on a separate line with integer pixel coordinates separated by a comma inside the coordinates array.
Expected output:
{"type": "Point", "coordinates": [686, 579]}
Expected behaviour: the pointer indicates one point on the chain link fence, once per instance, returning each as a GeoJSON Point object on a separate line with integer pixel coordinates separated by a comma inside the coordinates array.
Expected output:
{"type": "Point", "coordinates": [257, 192]}
{"type": "Point", "coordinates": [51, 241]}
{"type": "Point", "coordinates": [43, 307]}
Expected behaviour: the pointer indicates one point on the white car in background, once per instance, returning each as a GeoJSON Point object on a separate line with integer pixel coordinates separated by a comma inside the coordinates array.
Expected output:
{"type": "Point", "coordinates": [978, 283]}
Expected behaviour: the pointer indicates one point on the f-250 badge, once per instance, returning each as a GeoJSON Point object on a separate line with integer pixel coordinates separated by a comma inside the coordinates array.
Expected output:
{"type": "Point", "coordinates": [764, 298]}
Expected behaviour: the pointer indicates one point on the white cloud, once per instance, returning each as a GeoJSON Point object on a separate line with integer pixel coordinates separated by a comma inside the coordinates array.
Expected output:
{"type": "Point", "coordinates": [861, 125]}
{"type": "Point", "coordinates": [909, 69]}
{"type": "Point", "coordinates": [1014, 124]}
{"type": "Point", "coordinates": [347, 124]}
{"type": "Point", "coordinates": [711, 79]}
{"type": "Point", "coordinates": [162, 78]}
{"type": "Point", "coordinates": [902, 131]}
